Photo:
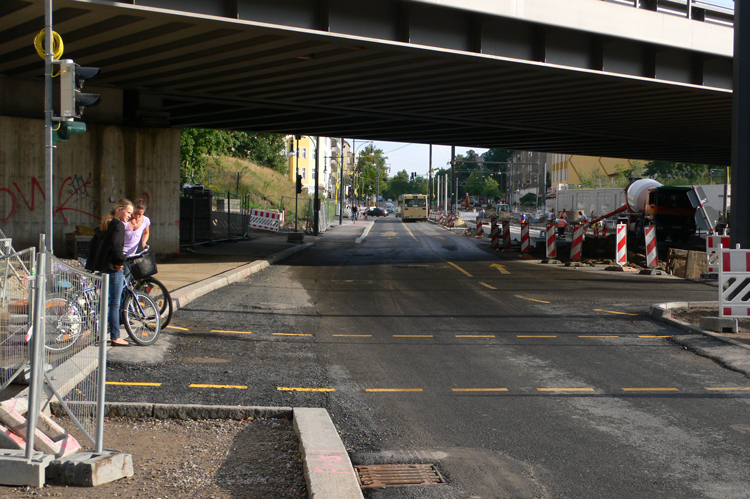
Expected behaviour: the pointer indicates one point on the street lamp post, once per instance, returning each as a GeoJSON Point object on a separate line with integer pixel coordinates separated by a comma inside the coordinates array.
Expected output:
{"type": "Point", "coordinates": [296, 176]}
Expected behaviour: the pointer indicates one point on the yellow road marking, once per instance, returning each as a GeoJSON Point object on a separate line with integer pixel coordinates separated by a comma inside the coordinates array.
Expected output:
{"type": "Point", "coordinates": [479, 389]}
{"type": "Point", "coordinates": [407, 229]}
{"type": "Point", "coordinates": [487, 285]}
{"type": "Point", "coordinates": [393, 389]}
{"type": "Point", "coordinates": [613, 312]}
{"type": "Point", "coordinates": [177, 327]}
{"type": "Point", "coordinates": [412, 336]}
{"type": "Point", "coordinates": [231, 332]}
{"type": "Point", "coordinates": [291, 334]}
{"type": "Point", "coordinates": [462, 270]}
{"type": "Point", "coordinates": [501, 268]}
{"type": "Point", "coordinates": [651, 389]}
{"type": "Point", "coordinates": [531, 299]}
{"type": "Point", "coordinates": [133, 383]}
{"type": "Point", "coordinates": [653, 336]}
{"type": "Point", "coordinates": [475, 336]}
{"type": "Point", "coordinates": [565, 389]}
{"type": "Point", "coordinates": [536, 336]}
{"type": "Point", "coordinates": [723, 388]}
{"type": "Point", "coordinates": [238, 387]}
{"type": "Point", "coordinates": [294, 389]}
{"type": "Point", "coordinates": [599, 336]}
{"type": "Point", "coordinates": [354, 335]}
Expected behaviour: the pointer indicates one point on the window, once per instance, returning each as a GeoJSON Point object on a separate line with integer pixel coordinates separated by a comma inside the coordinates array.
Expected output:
{"type": "Point", "coordinates": [303, 171]}
{"type": "Point", "coordinates": [304, 153]}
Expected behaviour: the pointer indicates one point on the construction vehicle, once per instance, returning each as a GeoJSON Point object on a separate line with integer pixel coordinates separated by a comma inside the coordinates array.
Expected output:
{"type": "Point", "coordinates": [643, 202]}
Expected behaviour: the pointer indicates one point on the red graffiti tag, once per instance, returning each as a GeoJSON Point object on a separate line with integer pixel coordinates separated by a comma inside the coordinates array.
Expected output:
{"type": "Point", "coordinates": [62, 208]}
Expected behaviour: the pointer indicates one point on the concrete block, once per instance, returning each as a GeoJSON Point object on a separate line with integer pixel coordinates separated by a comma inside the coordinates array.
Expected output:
{"type": "Point", "coordinates": [16, 471]}
{"type": "Point", "coordinates": [9, 440]}
{"type": "Point", "coordinates": [720, 324]}
{"type": "Point", "coordinates": [187, 411]}
{"type": "Point", "coordinates": [89, 469]}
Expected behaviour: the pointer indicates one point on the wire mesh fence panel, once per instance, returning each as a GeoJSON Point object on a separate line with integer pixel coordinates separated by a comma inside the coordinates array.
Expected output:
{"type": "Point", "coordinates": [16, 271]}
{"type": "Point", "coordinates": [72, 319]}
{"type": "Point", "coordinates": [6, 246]}
{"type": "Point", "coordinates": [230, 217]}
{"type": "Point", "coordinates": [297, 212]}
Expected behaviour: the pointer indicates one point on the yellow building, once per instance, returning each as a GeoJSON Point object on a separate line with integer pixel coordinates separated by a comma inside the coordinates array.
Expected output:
{"type": "Point", "coordinates": [567, 169]}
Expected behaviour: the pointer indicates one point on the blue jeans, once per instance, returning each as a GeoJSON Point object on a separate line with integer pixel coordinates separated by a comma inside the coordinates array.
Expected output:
{"type": "Point", "coordinates": [115, 296]}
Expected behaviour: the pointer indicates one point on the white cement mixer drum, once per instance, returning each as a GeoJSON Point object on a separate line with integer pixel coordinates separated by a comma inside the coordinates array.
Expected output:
{"type": "Point", "coordinates": [637, 193]}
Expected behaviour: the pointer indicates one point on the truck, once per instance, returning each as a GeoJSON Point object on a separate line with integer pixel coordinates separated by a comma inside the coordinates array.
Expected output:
{"type": "Point", "coordinates": [641, 203]}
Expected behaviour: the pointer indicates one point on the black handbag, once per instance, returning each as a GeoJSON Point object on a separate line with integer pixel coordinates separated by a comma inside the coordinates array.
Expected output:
{"type": "Point", "coordinates": [143, 266]}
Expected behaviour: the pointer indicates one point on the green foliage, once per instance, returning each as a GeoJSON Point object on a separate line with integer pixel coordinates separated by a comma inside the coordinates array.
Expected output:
{"type": "Point", "coordinates": [528, 199]}
{"type": "Point", "coordinates": [397, 186]}
{"type": "Point", "coordinates": [263, 149]}
{"type": "Point", "coordinates": [597, 179]}
{"type": "Point", "coordinates": [677, 173]}
{"type": "Point", "coordinates": [491, 188]}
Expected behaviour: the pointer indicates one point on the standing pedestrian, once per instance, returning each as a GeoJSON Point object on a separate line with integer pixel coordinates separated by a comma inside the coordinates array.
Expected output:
{"type": "Point", "coordinates": [136, 230]}
{"type": "Point", "coordinates": [107, 256]}
{"type": "Point", "coordinates": [582, 217]}
{"type": "Point", "coordinates": [354, 213]}
{"type": "Point", "coordinates": [551, 215]}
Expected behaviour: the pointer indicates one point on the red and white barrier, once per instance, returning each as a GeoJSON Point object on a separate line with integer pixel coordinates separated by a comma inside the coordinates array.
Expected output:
{"type": "Point", "coordinates": [734, 279]}
{"type": "Point", "coordinates": [551, 246]}
{"type": "Point", "coordinates": [525, 237]}
{"type": "Point", "coordinates": [441, 218]}
{"type": "Point", "coordinates": [480, 231]}
{"type": "Point", "coordinates": [267, 220]}
{"type": "Point", "coordinates": [713, 244]}
{"type": "Point", "coordinates": [575, 248]}
{"type": "Point", "coordinates": [506, 234]}
{"type": "Point", "coordinates": [494, 232]}
{"type": "Point", "coordinates": [652, 259]}
{"type": "Point", "coordinates": [449, 223]}
{"type": "Point", "coordinates": [622, 245]}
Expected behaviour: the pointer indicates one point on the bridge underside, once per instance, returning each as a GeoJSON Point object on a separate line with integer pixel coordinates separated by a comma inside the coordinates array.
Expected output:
{"type": "Point", "coordinates": [492, 84]}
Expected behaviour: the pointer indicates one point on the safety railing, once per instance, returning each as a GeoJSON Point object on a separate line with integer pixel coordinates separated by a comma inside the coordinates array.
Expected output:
{"type": "Point", "coordinates": [711, 11]}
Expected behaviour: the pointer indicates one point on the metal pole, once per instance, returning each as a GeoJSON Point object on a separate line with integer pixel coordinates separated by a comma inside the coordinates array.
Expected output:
{"type": "Point", "coordinates": [316, 201]}
{"type": "Point", "coordinates": [103, 311]}
{"type": "Point", "coordinates": [341, 183]}
{"type": "Point", "coordinates": [37, 351]}
{"type": "Point", "coordinates": [740, 218]}
{"type": "Point", "coordinates": [429, 182]}
{"type": "Point", "coordinates": [296, 194]}
{"type": "Point", "coordinates": [48, 145]}
{"type": "Point", "coordinates": [453, 176]}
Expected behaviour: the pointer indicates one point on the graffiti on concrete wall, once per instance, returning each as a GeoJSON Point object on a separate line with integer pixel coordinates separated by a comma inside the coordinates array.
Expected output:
{"type": "Point", "coordinates": [76, 194]}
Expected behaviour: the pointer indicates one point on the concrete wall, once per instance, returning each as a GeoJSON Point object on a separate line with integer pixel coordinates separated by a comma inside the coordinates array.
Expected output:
{"type": "Point", "coordinates": [91, 171]}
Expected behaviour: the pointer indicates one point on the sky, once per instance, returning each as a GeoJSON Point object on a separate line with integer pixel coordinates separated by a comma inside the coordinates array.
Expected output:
{"type": "Point", "coordinates": [416, 157]}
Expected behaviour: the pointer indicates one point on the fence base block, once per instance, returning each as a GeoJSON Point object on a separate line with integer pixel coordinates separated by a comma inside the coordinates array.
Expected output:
{"type": "Point", "coordinates": [16, 471]}
{"type": "Point", "coordinates": [719, 324]}
{"type": "Point", "coordinates": [89, 469]}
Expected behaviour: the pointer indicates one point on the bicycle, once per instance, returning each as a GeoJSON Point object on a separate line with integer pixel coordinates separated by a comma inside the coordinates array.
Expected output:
{"type": "Point", "coordinates": [156, 290]}
{"type": "Point", "coordinates": [140, 314]}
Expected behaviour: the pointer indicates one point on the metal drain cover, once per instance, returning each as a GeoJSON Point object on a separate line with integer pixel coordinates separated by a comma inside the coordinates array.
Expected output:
{"type": "Point", "coordinates": [397, 475]}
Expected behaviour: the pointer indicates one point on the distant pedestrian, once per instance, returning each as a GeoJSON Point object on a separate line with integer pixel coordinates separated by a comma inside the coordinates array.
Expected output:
{"type": "Point", "coordinates": [354, 213]}
{"type": "Point", "coordinates": [562, 226]}
{"type": "Point", "coordinates": [523, 217]}
{"type": "Point", "coordinates": [551, 215]}
{"type": "Point", "coordinates": [582, 217]}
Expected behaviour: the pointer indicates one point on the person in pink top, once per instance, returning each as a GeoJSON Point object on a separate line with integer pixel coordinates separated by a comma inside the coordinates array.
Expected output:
{"type": "Point", "coordinates": [136, 230]}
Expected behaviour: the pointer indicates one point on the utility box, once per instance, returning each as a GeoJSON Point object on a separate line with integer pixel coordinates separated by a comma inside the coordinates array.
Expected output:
{"type": "Point", "coordinates": [195, 216]}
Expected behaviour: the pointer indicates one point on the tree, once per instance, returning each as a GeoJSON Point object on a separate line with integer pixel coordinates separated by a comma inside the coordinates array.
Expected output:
{"type": "Point", "coordinates": [263, 149]}
{"type": "Point", "coordinates": [677, 173]}
{"type": "Point", "coordinates": [197, 147]}
{"type": "Point", "coordinates": [491, 189]}
{"type": "Point", "coordinates": [594, 180]}
{"type": "Point", "coordinates": [397, 185]}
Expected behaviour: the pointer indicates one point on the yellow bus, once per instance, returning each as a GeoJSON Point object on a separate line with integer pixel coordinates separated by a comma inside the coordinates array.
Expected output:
{"type": "Point", "coordinates": [413, 207]}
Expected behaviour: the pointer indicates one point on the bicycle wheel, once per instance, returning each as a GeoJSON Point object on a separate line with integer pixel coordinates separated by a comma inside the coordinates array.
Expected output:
{"type": "Point", "coordinates": [158, 292]}
{"type": "Point", "coordinates": [63, 323]}
{"type": "Point", "coordinates": [141, 317]}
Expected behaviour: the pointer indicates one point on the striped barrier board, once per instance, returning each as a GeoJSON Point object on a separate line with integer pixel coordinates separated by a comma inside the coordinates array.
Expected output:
{"type": "Point", "coordinates": [652, 259]}
{"type": "Point", "coordinates": [621, 251]}
{"type": "Point", "coordinates": [506, 234]}
{"type": "Point", "coordinates": [551, 246]}
{"type": "Point", "coordinates": [575, 248]}
{"type": "Point", "coordinates": [480, 231]}
{"type": "Point", "coordinates": [525, 237]}
{"type": "Point", "coordinates": [494, 232]}
{"type": "Point", "coordinates": [713, 244]}
{"type": "Point", "coordinates": [734, 283]}
{"type": "Point", "coordinates": [267, 220]}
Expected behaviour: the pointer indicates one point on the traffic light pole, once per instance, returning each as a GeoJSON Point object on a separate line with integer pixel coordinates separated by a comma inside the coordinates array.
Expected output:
{"type": "Point", "coordinates": [48, 145]}
{"type": "Point", "coordinates": [296, 193]}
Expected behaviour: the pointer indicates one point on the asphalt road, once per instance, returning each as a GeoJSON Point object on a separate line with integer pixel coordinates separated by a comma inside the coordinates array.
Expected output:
{"type": "Point", "coordinates": [515, 379]}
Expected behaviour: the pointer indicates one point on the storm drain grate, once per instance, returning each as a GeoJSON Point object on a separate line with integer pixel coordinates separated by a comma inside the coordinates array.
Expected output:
{"type": "Point", "coordinates": [397, 475]}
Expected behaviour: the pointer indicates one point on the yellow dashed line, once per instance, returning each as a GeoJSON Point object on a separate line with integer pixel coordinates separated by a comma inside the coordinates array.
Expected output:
{"type": "Point", "coordinates": [459, 268]}
{"type": "Point", "coordinates": [294, 389]}
{"type": "Point", "coordinates": [651, 389]}
{"type": "Point", "coordinates": [412, 336]}
{"type": "Point", "coordinates": [487, 285]}
{"type": "Point", "coordinates": [231, 332]}
{"type": "Point", "coordinates": [501, 268]}
{"type": "Point", "coordinates": [479, 389]}
{"type": "Point", "coordinates": [475, 336]}
{"type": "Point", "coordinates": [531, 299]}
{"type": "Point", "coordinates": [291, 334]}
{"type": "Point", "coordinates": [728, 388]}
{"type": "Point", "coordinates": [565, 389]}
{"type": "Point", "coordinates": [177, 327]}
{"type": "Point", "coordinates": [393, 390]}
{"type": "Point", "coordinates": [599, 336]}
{"type": "Point", "coordinates": [653, 336]}
{"type": "Point", "coordinates": [238, 387]}
{"type": "Point", "coordinates": [613, 312]}
{"type": "Point", "coordinates": [536, 336]}
{"type": "Point", "coordinates": [354, 335]}
{"type": "Point", "coordinates": [128, 383]}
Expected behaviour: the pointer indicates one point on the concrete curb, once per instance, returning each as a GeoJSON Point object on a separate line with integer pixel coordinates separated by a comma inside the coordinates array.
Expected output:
{"type": "Point", "coordinates": [329, 473]}
{"type": "Point", "coordinates": [732, 354]}
{"type": "Point", "coordinates": [187, 294]}
{"type": "Point", "coordinates": [364, 234]}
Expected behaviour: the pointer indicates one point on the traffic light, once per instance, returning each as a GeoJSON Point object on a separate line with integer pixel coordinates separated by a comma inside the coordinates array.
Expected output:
{"type": "Point", "coordinates": [72, 100]}
{"type": "Point", "coordinates": [299, 183]}
{"type": "Point", "coordinates": [66, 129]}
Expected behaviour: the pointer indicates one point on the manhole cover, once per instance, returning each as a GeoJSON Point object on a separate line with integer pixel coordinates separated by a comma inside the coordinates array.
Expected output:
{"type": "Point", "coordinates": [397, 475]}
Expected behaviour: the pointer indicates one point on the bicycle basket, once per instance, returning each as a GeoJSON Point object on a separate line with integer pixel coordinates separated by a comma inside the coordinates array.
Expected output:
{"type": "Point", "coordinates": [143, 266]}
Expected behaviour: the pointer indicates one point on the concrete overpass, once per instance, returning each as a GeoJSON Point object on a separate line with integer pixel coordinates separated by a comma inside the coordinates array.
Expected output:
{"type": "Point", "coordinates": [580, 76]}
{"type": "Point", "coordinates": [588, 77]}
